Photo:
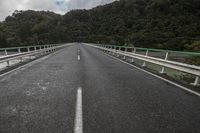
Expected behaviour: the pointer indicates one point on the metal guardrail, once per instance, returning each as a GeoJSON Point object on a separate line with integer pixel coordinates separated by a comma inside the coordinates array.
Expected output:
{"type": "Point", "coordinates": [164, 62]}
{"type": "Point", "coordinates": [11, 50]}
{"type": "Point", "coordinates": [27, 52]}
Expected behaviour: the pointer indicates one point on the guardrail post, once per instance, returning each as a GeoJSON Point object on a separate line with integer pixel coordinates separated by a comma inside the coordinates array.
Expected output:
{"type": "Point", "coordinates": [45, 47]}
{"type": "Point", "coordinates": [5, 52]}
{"type": "Point", "coordinates": [117, 55]}
{"type": "Point", "coordinates": [28, 49]}
{"type": "Point", "coordinates": [113, 48]}
{"type": "Point", "coordinates": [110, 47]}
{"type": "Point", "coordinates": [144, 63]}
{"type": "Point", "coordinates": [134, 51]}
{"type": "Point", "coordinates": [35, 48]}
{"type": "Point", "coordinates": [50, 48]}
{"type": "Point", "coordinates": [21, 59]}
{"type": "Point", "coordinates": [19, 50]}
{"type": "Point", "coordinates": [8, 63]}
{"type": "Point", "coordinates": [125, 50]}
{"type": "Point", "coordinates": [132, 60]}
{"type": "Point", "coordinates": [105, 49]}
{"type": "Point", "coordinates": [196, 82]}
{"type": "Point", "coordinates": [54, 48]}
{"type": "Point", "coordinates": [163, 68]}
{"type": "Point", "coordinates": [147, 52]}
{"type": "Point", "coordinates": [102, 47]}
{"type": "Point", "coordinates": [119, 50]}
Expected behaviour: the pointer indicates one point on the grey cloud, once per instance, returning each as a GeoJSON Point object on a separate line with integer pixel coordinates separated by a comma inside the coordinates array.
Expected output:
{"type": "Point", "coordinates": [80, 4]}
{"type": "Point", "coordinates": [7, 7]}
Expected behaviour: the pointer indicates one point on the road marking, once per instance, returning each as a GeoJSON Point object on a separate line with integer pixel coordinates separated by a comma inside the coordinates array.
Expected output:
{"type": "Point", "coordinates": [79, 57]}
{"type": "Point", "coordinates": [78, 118]}
{"type": "Point", "coordinates": [166, 80]}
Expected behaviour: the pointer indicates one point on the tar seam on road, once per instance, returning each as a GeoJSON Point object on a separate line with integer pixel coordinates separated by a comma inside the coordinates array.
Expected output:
{"type": "Point", "coordinates": [166, 80]}
{"type": "Point", "coordinates": [78, 128]}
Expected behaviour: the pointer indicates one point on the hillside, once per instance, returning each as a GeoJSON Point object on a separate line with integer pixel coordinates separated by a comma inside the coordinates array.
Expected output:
{"type": "Point", "coordinates": [166, 24]}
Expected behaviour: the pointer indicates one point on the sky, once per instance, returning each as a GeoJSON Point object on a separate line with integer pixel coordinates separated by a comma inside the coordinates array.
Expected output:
{"type": "Point", "coordinates": [7, 7]}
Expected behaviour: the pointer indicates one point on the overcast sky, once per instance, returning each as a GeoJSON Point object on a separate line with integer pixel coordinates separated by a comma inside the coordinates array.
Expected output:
{"type": "Point", "coordinates": [7, 7]}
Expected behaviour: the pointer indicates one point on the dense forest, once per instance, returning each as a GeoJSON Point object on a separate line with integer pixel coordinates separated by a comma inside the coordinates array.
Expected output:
{"type": "Point", "coordinates": [165, 24]}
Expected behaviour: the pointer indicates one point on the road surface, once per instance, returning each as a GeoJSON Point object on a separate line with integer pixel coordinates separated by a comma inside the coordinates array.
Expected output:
{"type": "Point", "coordinates": [80, 89]}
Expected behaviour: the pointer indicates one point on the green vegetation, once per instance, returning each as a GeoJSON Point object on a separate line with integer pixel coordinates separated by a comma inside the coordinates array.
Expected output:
{"type": "Point", "coordinates": [164, 24]}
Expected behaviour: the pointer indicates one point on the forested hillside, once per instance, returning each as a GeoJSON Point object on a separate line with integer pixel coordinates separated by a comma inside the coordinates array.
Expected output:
{"type": "Point", "coordinates": [166, 24]}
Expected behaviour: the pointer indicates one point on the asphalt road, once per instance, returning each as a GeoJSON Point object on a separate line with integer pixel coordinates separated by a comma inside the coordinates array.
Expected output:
{"type": "Point", "coordinates": [116, 98]}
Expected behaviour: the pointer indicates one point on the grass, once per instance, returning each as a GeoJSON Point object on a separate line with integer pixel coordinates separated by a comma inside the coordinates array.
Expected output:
{"type": "Point", "coordinates": [175, 74]}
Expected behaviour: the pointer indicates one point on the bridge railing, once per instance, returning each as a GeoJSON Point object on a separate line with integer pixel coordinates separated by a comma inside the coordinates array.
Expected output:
{"type": "Point", "coordinates": [186, 62]}
{"type": "Point", "coordinates": [15, 50]}
{"type": "Point", "coordinates": [14, 55]}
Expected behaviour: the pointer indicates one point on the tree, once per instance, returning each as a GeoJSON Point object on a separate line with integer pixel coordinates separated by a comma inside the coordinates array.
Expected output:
{"type": "Point", "coordinates": [167, 24]}
{"type": "Point", "coordinates": [3, 37]}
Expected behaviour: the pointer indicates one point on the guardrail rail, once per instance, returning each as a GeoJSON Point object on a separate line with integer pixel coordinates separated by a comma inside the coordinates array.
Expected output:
{"type": "Point", "coordinates": [143, 54]}
{"type": "Point", "coordinates": [19, 53]}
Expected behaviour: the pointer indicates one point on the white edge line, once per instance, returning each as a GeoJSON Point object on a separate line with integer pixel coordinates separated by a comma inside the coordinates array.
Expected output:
{"type": "Point", "coordinates": [78, 128]}
{"type": "Point", "coordinates": [166, 80]}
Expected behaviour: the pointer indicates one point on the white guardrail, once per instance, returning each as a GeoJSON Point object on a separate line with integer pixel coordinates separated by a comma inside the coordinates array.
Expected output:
{"type": "Point", "coordinates": [183, 67]}
{"type": "Point", "coordinates": [19, 54]}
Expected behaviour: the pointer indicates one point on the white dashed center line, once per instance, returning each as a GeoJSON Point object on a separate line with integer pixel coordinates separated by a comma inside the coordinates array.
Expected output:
{"type": "Point", "coordinates": [78, 116]}
{"type": "Point", "coordinates": [79, 57]}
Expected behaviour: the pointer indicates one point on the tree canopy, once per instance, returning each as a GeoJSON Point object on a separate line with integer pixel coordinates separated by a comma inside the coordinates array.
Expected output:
{"type": "Point", "coordinates": [166, 24]}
